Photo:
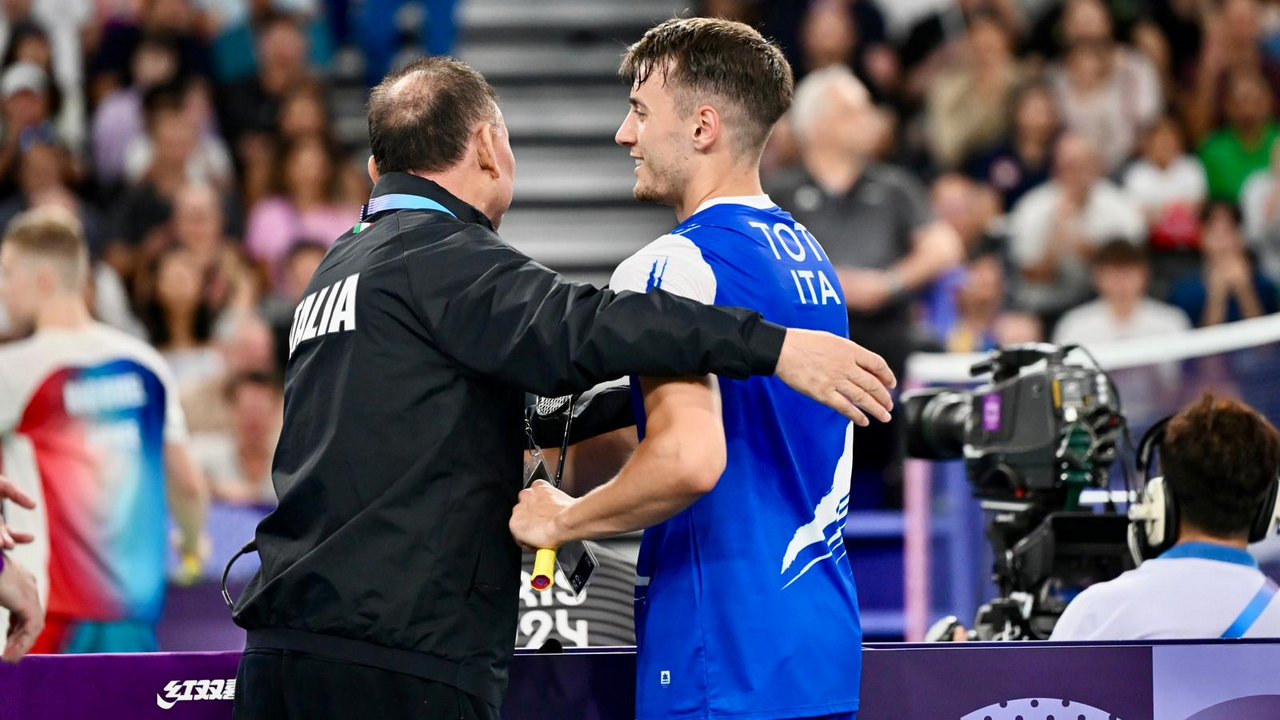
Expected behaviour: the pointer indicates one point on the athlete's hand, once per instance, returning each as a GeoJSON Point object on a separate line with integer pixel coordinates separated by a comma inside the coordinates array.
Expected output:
{"type": "Point", "coordinates": [533, 521]}
{"type": "Point", "coordinates": [9, 537]}
{"type": "Point", "coordinates": [18, 593]}
{"type": "Point", "coordinates": [837, 373]}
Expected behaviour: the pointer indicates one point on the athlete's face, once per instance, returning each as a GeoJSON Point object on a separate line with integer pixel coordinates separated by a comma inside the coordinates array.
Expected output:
{"type": "Point", "coordinates": [659, 138]}
{"type": "Point", "coordinates": [18, 287]}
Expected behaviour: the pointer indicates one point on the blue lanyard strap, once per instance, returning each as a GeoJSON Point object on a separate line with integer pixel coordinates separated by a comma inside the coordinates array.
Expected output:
{"type": "Point", "coordinates": [1252, 611]}
{"type": "Point", "coordinates": [382, 203]}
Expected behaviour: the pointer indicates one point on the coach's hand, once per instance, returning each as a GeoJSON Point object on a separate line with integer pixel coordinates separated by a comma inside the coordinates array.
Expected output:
{"type": "Point", "coordinates": [534, 519]}
{"type": "Point", "coordinates": [9, 537]}
{"type": "Point", "coordinates": [19, 595]}
{"type": "Point", "coordinates": [837, 373]}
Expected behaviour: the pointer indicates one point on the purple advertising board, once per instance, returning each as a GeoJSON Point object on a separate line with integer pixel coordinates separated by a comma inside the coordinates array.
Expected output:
{"type": "Point", "coordinates": [1203, 681]}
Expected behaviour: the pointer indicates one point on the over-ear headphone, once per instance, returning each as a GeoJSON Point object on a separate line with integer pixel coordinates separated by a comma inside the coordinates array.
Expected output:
{"type": "Point", "coordinates": [1153, 517]}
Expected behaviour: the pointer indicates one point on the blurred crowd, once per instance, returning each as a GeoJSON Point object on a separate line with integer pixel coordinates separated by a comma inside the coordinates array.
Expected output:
{"type": "Point", "coordinates": [194, 139]}
{"type": "Point", "coordinates": [1107, 168]}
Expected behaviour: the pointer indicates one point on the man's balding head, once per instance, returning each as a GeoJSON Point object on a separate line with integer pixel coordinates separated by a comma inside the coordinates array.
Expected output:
{"type": "Point", "coordinates": [421, 118]}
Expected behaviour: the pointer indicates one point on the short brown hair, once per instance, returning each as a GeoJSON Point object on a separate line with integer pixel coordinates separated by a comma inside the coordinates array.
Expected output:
{"type": "Point", "coordinates": [721, 58]}
{"type": "Point", "coordinates": [1219, 457]}
{"type": "Point", "coordinates": [421, 117]}
{"type": "Point", "coordinates": [1119, 253]}
{"type": "Point", "coordinates": [54, 235]}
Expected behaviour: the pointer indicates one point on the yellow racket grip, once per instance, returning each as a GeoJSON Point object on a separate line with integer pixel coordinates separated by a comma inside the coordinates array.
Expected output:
{"type": "Point", "coordinates": [544, 569]}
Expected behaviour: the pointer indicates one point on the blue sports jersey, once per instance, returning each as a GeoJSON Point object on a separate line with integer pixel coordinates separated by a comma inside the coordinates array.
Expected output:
{"type": "Point", "coordinates": [745, 604]}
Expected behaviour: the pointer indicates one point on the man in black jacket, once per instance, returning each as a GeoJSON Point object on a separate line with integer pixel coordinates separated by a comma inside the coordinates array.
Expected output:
{"type": "Point", "coordinates": [388, 585]}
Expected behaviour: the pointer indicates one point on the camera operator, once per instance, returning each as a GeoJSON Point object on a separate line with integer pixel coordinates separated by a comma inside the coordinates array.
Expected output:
{"type": "Point", "coordinates": [1220, 459]}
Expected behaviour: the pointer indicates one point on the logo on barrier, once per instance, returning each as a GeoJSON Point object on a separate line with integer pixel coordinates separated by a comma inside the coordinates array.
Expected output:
{"type": "Point", "coordinates": [1039, 709]}
{"type": "Point", "coordinates": [179, 690]}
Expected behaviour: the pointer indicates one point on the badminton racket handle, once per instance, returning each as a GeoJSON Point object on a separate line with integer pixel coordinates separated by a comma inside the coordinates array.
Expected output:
{"type": "Point", "coordinates": [544, 569]}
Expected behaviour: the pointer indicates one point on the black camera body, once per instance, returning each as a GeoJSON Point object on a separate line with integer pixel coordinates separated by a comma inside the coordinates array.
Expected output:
{"type": "Point", "coordinates": [1033, 438]}
{"type": "Point", "coordinates": [1039, 432]}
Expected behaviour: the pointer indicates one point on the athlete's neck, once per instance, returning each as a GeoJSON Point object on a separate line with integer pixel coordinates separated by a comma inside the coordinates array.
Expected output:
{"type": "Point", "coordinates": [733, 184]}
{"type": "Point", "coordinates": [66, 312]}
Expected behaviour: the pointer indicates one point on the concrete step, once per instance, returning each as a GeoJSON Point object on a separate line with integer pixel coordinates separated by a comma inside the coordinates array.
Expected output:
{"type": "Point", "coordinates": [557, 175]}
{"type": "Point", "coordinates": [561, 18]}
{"type": "Point", "coordinates": [564, 113]}
{"type": "Point", "coordinates": [542, 63]}
{"type": "Point", "coordinates": [585, 241]}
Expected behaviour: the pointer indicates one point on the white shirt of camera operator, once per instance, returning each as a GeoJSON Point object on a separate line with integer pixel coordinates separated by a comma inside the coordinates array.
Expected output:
{"type": "Point", "coordinates": [1172, 598]}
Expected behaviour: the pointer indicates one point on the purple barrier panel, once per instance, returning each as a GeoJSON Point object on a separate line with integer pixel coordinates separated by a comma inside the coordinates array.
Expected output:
{"type": "Point", "coordinates": [1217, 682]}
{"type": "Point", "coordinates": [574, 686]}
{"type": "Point", "coordinates": [1223, 681]}
{"type": "Point", "coordinates": [154, 686]}
{"type": "Point", "coordinates": [1032, 682]}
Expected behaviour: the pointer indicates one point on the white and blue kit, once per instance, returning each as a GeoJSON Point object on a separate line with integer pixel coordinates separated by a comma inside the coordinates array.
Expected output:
{"type": "Point", "coordinates": [745, 602]}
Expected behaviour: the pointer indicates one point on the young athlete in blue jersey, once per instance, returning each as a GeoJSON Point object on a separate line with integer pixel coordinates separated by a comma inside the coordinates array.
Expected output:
{"type": "Point", "coordinates": [745, 602]}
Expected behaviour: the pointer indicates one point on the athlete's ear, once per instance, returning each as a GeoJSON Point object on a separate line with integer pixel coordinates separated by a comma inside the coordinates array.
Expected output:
{"type": "Point", "coordinates": [486, 150]}
{"type": "Point", "coordinates": [706, 128]}
{"type": "Point", "coordinates": [372, 167]}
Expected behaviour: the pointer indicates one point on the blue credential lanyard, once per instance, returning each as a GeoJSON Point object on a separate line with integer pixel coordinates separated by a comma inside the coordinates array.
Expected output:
{"type": "Point", "coordinates": [1221, 553]}
{"type": "Point", "coordinates": [383, 203]}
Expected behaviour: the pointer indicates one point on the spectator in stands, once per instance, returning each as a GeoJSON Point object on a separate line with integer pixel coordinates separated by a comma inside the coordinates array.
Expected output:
{"type": "Point", "coordinates": [1260, 205]}
{"type": "Point", "coordinates": [1123, 310]}
{"type": "Point", "coordinates": [247, 347]}
{"type": "Point", "coordinates": [1106, 92]}
{"type": "Point", "coordinates": [968, 103]}
{"type": "Point", "coordinates": [982, 321]}
{"type": "Point", "coordinates": [29, 43]}
{"type": "Point", "coordinates": [1232, 34]}
{"type": "Point", "coordinates": [110, 65]}
{"type": "Point", "coordinates": [250, 110]}
{"type": "Point", "coordinates": [830, 35]}
{"type": "Point", "coordinates": [1055, 229]}
{"type": "Point", "coordinates": [179, 319]}
{"type": "Point", "coordinates": [238, 462]}
{"type": "Point", "coordinates": [41, 180]}
{"type": "Point", "coordinates": [303, 114]}
{"type": "Point", "coordinates": [1227, 288]}
{"type": "Point", "coordinates": [1021, 160]}
{"type": "Point", "coordinates": [1218, 458]}
{"type": "Point", "coordinates": [304, 205]}
{"type": "Point", "coordinates": [936, 41]}
{"type": "Point", "coordinates": [184, 118]}
{"type": "Point", "coordinates": [1169, 185]}
{"type": "Point", "coordinates": [875, 224]}
{"type": "Point", "coordinates": [199, 226]}
{"type": "Point", "coordinates": [120, 119]}
{"type": "Point", "coordinates": [27, 113]}
{"type": "Point", "coordinates": [233, 25]}
{"type": "Point", "coordinates": [873, 219]}
{"type": "Point", "coordinates": [138, 226]}
{"type": "Point", "coordinates": [1235, 151]}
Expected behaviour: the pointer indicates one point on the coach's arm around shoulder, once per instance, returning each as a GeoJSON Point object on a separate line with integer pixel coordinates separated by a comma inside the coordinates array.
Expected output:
{"type": "Point", "coordinates": [504, 316]}
{"type": "Point", "coordinates": [680, 460]}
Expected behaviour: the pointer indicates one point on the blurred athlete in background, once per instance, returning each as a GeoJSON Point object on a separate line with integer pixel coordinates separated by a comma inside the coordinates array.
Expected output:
{"type": "Point", "coordinates": [91, 429]}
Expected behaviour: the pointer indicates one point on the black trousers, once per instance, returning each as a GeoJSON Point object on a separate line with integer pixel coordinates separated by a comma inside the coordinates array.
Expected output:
{"type": "Point", "coordinates": [286, 685]}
